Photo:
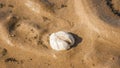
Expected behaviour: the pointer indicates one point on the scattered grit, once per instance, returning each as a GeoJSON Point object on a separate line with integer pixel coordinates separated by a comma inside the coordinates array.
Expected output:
{"type": "Point", "coordinates": [25, 27]}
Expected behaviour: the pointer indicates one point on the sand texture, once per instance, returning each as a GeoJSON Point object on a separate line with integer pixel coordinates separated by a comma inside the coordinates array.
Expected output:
{"type": "Point", "coordinates": [25, 27]}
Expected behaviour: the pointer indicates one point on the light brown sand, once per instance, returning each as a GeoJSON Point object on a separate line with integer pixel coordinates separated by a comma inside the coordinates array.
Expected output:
{"type": "Point", "coordinates": [25, 26]}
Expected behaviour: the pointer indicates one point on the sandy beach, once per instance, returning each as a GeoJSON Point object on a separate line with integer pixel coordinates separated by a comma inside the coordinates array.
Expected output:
{"type": "Point", "coordinates": [25, 27]}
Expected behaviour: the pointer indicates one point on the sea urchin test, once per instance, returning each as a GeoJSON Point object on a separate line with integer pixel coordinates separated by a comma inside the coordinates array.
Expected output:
{"type": "Point", "coordinates": [61, 40]}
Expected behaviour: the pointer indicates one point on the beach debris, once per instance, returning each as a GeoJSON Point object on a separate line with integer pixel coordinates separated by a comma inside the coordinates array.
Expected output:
{"type": "Point", "coordinates": [61, 40]}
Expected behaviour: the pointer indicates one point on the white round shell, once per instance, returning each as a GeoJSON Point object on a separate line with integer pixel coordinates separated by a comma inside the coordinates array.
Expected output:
{"type": "Point", "coordinates": [61, 40]}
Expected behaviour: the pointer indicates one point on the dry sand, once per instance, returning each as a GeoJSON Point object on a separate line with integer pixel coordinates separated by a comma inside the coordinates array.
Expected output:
{"type": "Point", "coordinates": [25, 26]}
